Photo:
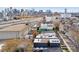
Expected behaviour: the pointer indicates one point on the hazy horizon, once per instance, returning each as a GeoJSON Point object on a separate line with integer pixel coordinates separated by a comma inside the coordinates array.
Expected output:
{"type": "Point", "coordinates": [53, 9]}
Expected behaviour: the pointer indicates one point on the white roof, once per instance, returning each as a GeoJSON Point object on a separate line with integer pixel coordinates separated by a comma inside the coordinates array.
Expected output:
{"type": "Point", "coordinates": [46, 26]}
{"type": "Point", "coordinates": [56, 40]}
{"type": "Point", "coordinates": [40, 41]}
{"type": "Point", "coordinates": [37, 40]}
{"type": "Point", "coordinates": [48, 18]}
{"type": "Point", "coordinates": [76, 23]}
{"type": "Point", "coordinates": [46, 35]}
{"type": "Point", "coordinates": [1, 45]}
{"type": "Point", "coordinates": [28, 36]}
{"type": "Point", "coordinates": [36, 25]}
{"type": "Point", "coordinates": [40, 48]}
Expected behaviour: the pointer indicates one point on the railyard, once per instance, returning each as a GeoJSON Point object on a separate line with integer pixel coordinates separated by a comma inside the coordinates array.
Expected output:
{"type": "Point", "coordinates": [63, 45]}
{"type": "Point", "coordinates": [42, 31]}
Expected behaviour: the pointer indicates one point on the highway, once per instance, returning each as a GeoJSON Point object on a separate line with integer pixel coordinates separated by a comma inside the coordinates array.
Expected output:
{"type": "Point", "coordinates": [21, 20]}
{"type": "Point", "coordinates": [14, 22]}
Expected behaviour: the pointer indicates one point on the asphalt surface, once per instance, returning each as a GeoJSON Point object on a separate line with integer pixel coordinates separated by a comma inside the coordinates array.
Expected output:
{"type": "Point", "coordinates": [53, 50]}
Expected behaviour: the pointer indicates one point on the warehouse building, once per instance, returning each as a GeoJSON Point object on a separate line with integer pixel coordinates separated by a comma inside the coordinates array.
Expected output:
{"type": "Point", "coordinates": [36, 27]}
{"type": "Point", "coordinates": [40, 43]}
{"type": "Point", "coordinates": [47, 34]}
{"type": "Point", "coordinates": [54, 42]}
{"type": "Point", "coordinates": [46, 27]}
{"type": "Point", "coordinates": [29, 35]}
{"type": "Point", "coordinates": [46, 40]}
{"type": "Point", "coordinates": [14, 31]}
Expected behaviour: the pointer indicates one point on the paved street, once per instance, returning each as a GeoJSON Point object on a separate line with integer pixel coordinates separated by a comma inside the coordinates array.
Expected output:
{"type": "Point", "coordinates": [53, 50]}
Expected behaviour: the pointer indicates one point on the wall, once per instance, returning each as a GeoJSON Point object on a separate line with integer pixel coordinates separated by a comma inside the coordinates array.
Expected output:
{"type": "Point", "coordinates": [8, 35]}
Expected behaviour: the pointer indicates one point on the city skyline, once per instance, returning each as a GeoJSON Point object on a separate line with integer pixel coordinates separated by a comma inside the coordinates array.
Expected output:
{"type": "Point", "coordinates": [53, 9]}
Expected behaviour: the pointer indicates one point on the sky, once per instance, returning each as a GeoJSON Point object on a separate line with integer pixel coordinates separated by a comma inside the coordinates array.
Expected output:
{"type": "Point", "coordinates": [53, 9]}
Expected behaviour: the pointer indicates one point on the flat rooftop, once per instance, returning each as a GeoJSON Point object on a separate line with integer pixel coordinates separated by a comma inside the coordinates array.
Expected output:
{"type": "Point", "coordinates": [18, 27]}
{"type": "Point", "coordinates": [47, 35]}
{"type": "Point", "coordinates": [40, 41]}
{"type": "Point", "coordinates": [53, 40]}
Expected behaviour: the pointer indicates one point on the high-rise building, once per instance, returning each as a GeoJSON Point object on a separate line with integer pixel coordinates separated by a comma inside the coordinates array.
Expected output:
{"type": "Point", "coordinates": [65, 11]}
{"type": "Point", "coordinates": [40, 11]}
{"type": "Point", "coordinates": [1, 16]}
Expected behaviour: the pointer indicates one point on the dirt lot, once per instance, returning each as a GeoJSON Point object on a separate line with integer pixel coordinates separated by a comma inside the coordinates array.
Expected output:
{"type": "Point", "coordinates": [15, 44]}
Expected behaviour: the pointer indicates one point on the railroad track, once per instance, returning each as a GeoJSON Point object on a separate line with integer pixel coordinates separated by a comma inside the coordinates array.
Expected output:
{"type": "Point", "coordinates": [64, 46]}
